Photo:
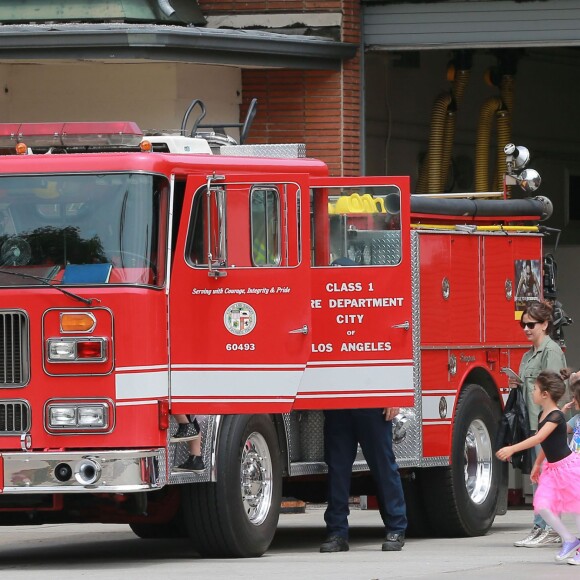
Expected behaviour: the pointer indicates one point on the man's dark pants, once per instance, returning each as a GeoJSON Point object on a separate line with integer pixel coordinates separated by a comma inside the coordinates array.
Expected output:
{"type": "Point", "coordinates": [343, 430]}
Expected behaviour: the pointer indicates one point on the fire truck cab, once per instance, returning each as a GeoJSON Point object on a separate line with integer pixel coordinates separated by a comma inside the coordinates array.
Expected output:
{"type": "Point", "coordinates": [143, 277]}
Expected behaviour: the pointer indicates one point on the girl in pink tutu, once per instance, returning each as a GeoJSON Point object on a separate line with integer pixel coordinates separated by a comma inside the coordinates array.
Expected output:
{"type": "Point", "coordinates": [557, 491]}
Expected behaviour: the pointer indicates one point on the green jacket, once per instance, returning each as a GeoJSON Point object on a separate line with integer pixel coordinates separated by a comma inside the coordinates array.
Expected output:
{"type": "Point", "coordinates": [547, 357]}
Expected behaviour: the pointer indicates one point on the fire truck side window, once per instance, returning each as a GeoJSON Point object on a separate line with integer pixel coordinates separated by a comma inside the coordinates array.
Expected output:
{"type": "Point", "coordinates": [265, 227]}
{"type": "Point", "coordinates": [219, 226]}
{"type": "Point", "coordinates": [358, 226]}
{"type": "Point", "coordinates": [197, 240]}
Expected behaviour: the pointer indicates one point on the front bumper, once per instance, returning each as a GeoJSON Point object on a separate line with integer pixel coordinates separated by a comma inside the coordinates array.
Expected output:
{"type": "Point", "coordinates": [91, 471]}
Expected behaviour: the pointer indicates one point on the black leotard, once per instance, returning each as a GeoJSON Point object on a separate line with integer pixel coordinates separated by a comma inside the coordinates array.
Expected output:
{"type": "Point", "coordinates": [555, 445]}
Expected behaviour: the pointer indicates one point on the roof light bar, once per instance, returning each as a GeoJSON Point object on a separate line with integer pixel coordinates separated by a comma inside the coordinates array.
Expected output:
{"type": "Point", "coordinates": [81, 134]}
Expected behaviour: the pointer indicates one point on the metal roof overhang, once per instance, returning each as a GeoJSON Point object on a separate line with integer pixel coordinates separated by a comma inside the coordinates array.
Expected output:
{"type": "Point", "coordinates": [161, 43]}
{"type": "Point", "coordinates": [465, 24]}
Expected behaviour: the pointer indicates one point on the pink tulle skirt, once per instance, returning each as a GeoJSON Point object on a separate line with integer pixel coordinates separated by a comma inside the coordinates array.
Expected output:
{"type": "Point", "coordinates": [558, 486]}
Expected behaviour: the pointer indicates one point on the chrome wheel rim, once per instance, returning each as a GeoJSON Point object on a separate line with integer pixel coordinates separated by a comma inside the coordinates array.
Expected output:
{"type": "Point", "coordinates": [256, 478]}
{"type": "Point", "coordinates": [478, 459]}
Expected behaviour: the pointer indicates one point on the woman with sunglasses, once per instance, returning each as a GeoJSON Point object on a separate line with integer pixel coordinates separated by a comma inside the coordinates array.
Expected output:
{"type": "Point", "coordinates": [545, 354]}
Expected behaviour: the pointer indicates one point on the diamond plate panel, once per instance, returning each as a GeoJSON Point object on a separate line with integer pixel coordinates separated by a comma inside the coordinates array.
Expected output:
{"type": "Point", "coordinates": [284, 150]}
{"type": "Point", "coordinates": [377, 248]}
{"type": "Point", "coordinates": [409, 450]}
{"type": "Point", "coordinates": [386, 248]}
{"type": "Point", "coordinates": [311, 435]}
{"type": "Point", "coordinates": [162, 475]}
{"type": "Point", "coordinates": [292, 426]}
{"type": "Point", "coordinates": [442, 461]}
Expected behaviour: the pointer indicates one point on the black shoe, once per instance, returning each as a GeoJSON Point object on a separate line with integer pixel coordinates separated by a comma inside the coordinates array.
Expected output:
{"type": "Point", "coordinates": [192, 463]}
{"type": "Point", "coordinates": [334, 544]}
{"type": "Point", "coordinates": [394, 542]}
{"type": "Point", "coordinates": [186, 432]}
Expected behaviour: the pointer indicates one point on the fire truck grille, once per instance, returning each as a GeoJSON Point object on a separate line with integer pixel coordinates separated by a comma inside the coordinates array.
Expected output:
{"type": "Point", "coordinates": [13, 349]}
{"type": "Point", "coordinates": [14, 417]}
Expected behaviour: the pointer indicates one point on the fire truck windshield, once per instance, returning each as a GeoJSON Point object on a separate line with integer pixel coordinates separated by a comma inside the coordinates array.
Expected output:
{"type": "Point", "coordinates": [83, 229]}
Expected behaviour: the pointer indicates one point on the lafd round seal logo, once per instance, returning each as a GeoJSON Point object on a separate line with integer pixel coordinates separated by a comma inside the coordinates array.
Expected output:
{"type": "Point", "coordinates": [240, 318]}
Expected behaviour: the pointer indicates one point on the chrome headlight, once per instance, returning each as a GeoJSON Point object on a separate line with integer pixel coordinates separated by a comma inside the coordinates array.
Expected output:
{"type": "Point", "coordinates": [61, 350]}
{"type": "Point", "coordinates": [62, 417]}
{"type": "Point", "coordinates": [92, 416]}
{"type": "Point", "coordinates": [77, 416]}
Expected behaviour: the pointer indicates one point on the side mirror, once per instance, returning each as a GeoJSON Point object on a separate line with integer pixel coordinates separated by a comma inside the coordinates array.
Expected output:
{"type": "Point", "coordinates": [216, 230]}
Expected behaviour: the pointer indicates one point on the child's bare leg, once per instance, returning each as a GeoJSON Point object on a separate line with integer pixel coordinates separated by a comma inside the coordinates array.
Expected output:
{"type": "Point", "coordinates": [195, 447]}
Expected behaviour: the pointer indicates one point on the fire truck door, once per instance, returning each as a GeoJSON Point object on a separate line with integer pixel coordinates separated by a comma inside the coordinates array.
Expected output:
{"type": "Point", "coordinates": [240, 295]}
{"type": "Point", "coordinates": [362, 305]}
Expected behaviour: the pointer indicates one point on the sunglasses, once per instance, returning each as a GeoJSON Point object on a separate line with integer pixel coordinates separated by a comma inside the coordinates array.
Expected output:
{"type": "Point", "coordinates": [529, 325]}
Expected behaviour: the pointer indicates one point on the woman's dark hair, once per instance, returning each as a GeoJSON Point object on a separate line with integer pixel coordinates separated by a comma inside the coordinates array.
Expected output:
{"type": "Point", "coordinates": [540, 311]}
{"type": "Point", "coordinates": [552, 383]}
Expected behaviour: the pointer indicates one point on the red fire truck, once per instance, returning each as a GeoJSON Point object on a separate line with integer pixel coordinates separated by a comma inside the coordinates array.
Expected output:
{"type": "Point", "coordinates": [146, 277]}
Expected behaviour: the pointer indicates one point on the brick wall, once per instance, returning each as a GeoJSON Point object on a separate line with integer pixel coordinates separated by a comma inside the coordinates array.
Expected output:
{"type": "Point", "coordinates": [318, 108]}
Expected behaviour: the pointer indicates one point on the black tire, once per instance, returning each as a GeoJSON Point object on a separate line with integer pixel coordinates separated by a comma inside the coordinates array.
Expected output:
{"type": "Point", "coordinates": [458, 501]}
{"type": "Point", "coordinates": [220, 523]}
